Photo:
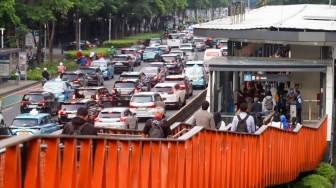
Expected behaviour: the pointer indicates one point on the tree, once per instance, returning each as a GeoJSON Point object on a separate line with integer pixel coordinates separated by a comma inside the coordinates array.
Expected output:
{"type": "Point", "coordinates": [7, 13]}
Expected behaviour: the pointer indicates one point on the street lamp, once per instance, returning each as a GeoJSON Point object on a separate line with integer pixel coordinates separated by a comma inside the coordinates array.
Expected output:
{"type": "Point", "coordinates": [2, 33]}
{"type": "Point", "coordinates": [110, 27]}
{"type": "Point", "coordinates": [45, 42]}
{"type": "Point", "coordinates": [79, 34]}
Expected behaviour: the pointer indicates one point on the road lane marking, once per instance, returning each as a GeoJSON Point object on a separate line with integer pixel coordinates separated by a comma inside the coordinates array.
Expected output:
{"type": "Point", "coordinates": [29, 88]}
{"type": "Point", "coordinates": [6, 109]}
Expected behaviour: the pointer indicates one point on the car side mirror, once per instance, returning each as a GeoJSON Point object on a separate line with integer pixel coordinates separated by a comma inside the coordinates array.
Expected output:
{"type": "Point", "coordinates": [191, 81]}
{"type": "Point", "coordinates": [164, 98]}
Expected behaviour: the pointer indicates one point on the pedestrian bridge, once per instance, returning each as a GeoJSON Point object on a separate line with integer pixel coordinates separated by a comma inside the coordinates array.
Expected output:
{"type": "Point", "coordinates": [197, 157]}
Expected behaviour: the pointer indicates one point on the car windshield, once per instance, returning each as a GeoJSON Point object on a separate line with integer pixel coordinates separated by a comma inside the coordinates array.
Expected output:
{"type": "Point", "coordinates": [174, 81]}
{"type": "Point", "coordinates": [187, 49]}
{"type": "Point", "coordinates": [124, 85]}
{"type": "Point", "coordinates": [98, 64]}
{"type": "Point", "coordinates": [163, 89]}
{"type": "Point", "coordinates": [178, 53]}
{"type": "Point", "coordinates": [184, 45]}
{"type": "Point", "coordinates": [150, 49]}
{"type": "Point", "coordinates": [169, 58]}
{"type": "Point", "coordinates": [70, 77]}
{"type": "Point", "coordinates": [194, 71]}
{"type": "Point", "coordinates": [122, 77]}
{"type": "Point", "coordinates": [87, 71]}
{"type": "Point", "coordinates": [24, 122]}
{"type": "Point", "coordinates": [127, 52]}
{"type": "Point", "coordinates": [55, 86]}
{"type": "Point", "coordinates": [149, 70]}
{"type": "Point", "coordinates": [198, 40]}
{"type": "Point", "coordinates": [156, 65]}
{"type": "Point", "coordinates": [109, 114]}
{"type": "Point", "coordinates": [72, 107]}
{"type": "Point", "coordinates": [163, 48]}
{"type": "Point", "coordinates": [142, 98]}
{"type": "Point", "coordinates": [85, 93]}
{"type": "Point", "coordinates": [32, 98]}
{"type": "Point", "coordinates": [191, 65]}
{"type": "Point", "coordinates": [173, 36]}
{"type": "Point", "coordinates": [120, 58]}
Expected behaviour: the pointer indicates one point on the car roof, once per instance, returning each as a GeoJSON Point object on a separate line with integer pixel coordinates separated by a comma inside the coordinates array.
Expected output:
{"type": "Point", "coordinates": [157, 63]}
{"type": "Point", "coordinates": [166, 46]}
{"type": "Point", "coordinates": [130, 73]}
{"type": "Point", "coordinates": [104, 61]}
{"type": "Point", "coordinates": [126, 81]}
{"type": "Point", "coordinates": [145, 93]}
{"type": "Point", "coordinates": [176, 76]}
{"type": "Point", "coordinates": [194, 67]}
{"type": "Point", "coordinates": [213, 50]}
{"type": "Point", "coordinates": [86, 68]}
{"type": "Point", "coordinates": [149, 68]}
{"type": "Point", "coordinates": [155, 39]}
{"type": "Point", "coordinates": [169, 55]}
{"type": "Point", "coordinates": [128, 49]}
{"type": "Point", "coordinates": [37, 93]}
{"type": "Point", "coordinates": [165, 84]}
{"type": "Point", "coordinates": [188, 48]}
{"type": "Point", "coordinates": [57, 80]}
{"type": "Point", "coordinates": [121, 55]}
{"type": "Point", "coordinates": [195, 62]}
{"type": "Point", "coordinates": [80, 100]}
{"type": "Point", "coordinates": [176, 51]}
{"type": "Point", "coordinates": [118, 109]}
{"type": "Point", "coordinates": [29, 116]}
{"type": "Point", "coordinates": [92, 87]}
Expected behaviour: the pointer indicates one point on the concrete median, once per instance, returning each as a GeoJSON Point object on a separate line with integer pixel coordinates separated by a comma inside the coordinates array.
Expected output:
{"type": "Point", "coordinates": [188, 109]}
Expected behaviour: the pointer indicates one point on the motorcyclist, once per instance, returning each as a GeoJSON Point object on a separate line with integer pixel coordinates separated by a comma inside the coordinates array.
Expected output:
{"type": "Point", "coordinates": [83, 62]}
{"type": "Point", "coordinates": [139, 42]}
{"type": "Point", "coordinates": [45, 74]}
{"type": "Point", "coordinates": [61, 68]}
{"type": "Point", "coordinates": [112, 51]}
{"type": "Point", "coordinates": [78, 56]}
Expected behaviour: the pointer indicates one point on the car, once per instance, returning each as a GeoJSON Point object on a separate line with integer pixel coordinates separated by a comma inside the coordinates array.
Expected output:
{"type": "Point", "coordinates": [186, 45]}
{"type": "Point", "coordinates": [2, 121]}
{"type": "Point", "coordinates": [62, 90]}
{"type": "Point", "coordinates": [118, 118]}
{"type": "Point", "coordinates": [75, 79]}
{"type": "Point", "coordinates": [174, 40]}
{"type": "Point", "coordinates": [163, 68]}
{"type": "Point", "coordinates": [183, 55]}
{"type": "Point", "coordinates": [221, 44]}
{"type": "Point", "coordinates": [42, 101]}
{"type": "Point", "coordinates": [164, 48]}
{"type": "Point", "coordinates": [199, 63]}
{"type": "Point", "coordinates": [172, 93]}
{"type": "Point", "coordinates": [151, 52]}
{"type": "Point", "coordinates": [210, 53]}
{"type": "Point", "coordinates": [94, 75]}
{"type": "Point", "coordinates": [73, 45]}
{"type": "Point", "coordinates": [154, 74]}
{"type": "Point", "coordinates": [144, 103]}
{"type": "Point", "coordinates": [184, 82]}
{"type": "Point", "coordinates": [173, 63]}
{"type": "Point", "coordinates": [199, 43]}
{"type": "Point", "coordinates": [198, 76]}
{"type": "Point", "coordinates": [123, 90]}
{"type": "Point", "coordinates": [209, 42]}
{"type": "Point", "coordinates": [144, 81]}
{"type": "Point", "coordinates": [140, 49]}
{"type": "Point", "coordinates": [133, 53]}
{"type": "Point", "coordinates": [69, 109]}
{"type": "Point", "coordinates": [33, 123]}
{"type": "Point", "coordinates": [123, 63]}
{"type": "Point", "coordinates": [105, 67]}
{"type": "Point", "coordinates": [100, 94]}
{"type": "Point", "coordinates": [190, 53]}
{"type": "Point", "coordinates": [155, 42]}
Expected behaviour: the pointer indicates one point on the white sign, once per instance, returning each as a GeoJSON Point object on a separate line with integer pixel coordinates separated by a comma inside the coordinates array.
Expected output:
{"type": "Point", "coordinates": [30, 40]}
{"type": "Point", "coordinates": [22, 57]}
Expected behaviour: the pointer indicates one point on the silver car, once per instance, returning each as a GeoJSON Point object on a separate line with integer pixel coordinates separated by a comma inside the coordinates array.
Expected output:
{"type": "Point", "coordinates": [119, 118]}
{"type": "Point", "coordinates": [144, 103]}
{"type": "Point", "coordinates": [199, 43]}
{"type": "Point", "coordinates": [191, 53]}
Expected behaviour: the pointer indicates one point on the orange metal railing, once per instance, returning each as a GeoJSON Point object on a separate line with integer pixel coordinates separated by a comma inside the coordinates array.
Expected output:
{"type": "Point", "coordinates": [199, 158]}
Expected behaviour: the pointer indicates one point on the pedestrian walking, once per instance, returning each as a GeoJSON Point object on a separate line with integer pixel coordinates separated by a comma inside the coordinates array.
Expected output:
{"type": "Point", "coordinates": [79, 125]}
{"type": "Point", "coordinates": [268, 103]}
{"type": "Point", "coordinates": [17, 75]}
{"type": "Point", "coordinates": [203, 117]}
{"type": "Point", "coordinates": [157, 127]}
{"type": "Point", "coordinates": [243, 122]}
{"type": "Point", "coordinates": [298, 102]}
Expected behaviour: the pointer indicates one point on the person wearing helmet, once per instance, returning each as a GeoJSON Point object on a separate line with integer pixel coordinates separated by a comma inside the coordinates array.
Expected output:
{"type": "Point", "coordinates": [61, 68]}
{"type": "Point", "coordinates": [112, 51]}
{"type": "Point", "coordinates": [78, 56]}
{"type": "Point", "coordinates": [45, 74]}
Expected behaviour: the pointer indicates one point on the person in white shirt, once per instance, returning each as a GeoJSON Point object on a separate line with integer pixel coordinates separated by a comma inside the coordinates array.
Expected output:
{"type": "Point", "coordinates": [275, 121]}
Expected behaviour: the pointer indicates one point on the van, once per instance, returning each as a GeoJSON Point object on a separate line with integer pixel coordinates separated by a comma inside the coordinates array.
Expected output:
{"type": "Point", "coordinates": [210, 53]}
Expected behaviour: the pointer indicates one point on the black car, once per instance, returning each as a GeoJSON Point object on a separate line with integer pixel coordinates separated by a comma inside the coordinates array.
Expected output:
{"type": "Point", "coordinates": [69, 109]}
{"type": "Point", "coordinates": [42, 101]}
{"type": "Point", "coordinates": [75, 79]}
{"type": "Point", "coordinates": [173, 63]}
{"type": "Point", "coordinates": [123, 91]}
{"type": "Point", "coordinates": [209, 42]}
{"type": "Point", "coordinates": [100, 94]}
{"type": "Point", "coordinates": [72, 45]}
{"type": "Point", "coordinates": [94, 75]}
{"type": "Point", "coordinates": [123, 63]}
{"type": "Point", "coordinates": [144, 81]}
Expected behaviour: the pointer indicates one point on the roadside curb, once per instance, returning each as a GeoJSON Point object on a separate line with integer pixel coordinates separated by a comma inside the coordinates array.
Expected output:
{"type": "Point", "coordinates": [4, 94]}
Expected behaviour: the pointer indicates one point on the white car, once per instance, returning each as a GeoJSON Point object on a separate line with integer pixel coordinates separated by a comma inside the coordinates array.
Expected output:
{"type": "Point", "coordinates": [185, 45]}
{"type": "Point", "coordinates": [191, 53]}
{"type": "Point", "coordinates": [144, 103]}
{"type": "Point", "coordinates": [2, 121]}
{"type": "Point", "coordinates": [119, 118]}
{"type": "Point", "coordinates": [174, 40]}
{"type": "Point", "coordinates": [199, 63]}
{"type": "Point", "coordinates": [182, 54]}
{"type": "Point", "coordinates": [172, 93]}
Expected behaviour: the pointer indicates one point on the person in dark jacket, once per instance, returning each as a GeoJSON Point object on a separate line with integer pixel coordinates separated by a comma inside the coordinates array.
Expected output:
{"type": "Point", "coordinates": [45, 74]}
{"type": "Point", "coordinates": [256, 107]}
{"type": "Point", "coordinates": [80, 119]}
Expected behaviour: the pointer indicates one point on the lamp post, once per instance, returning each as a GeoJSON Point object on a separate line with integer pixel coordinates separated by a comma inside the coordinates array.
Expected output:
{"type": "Point", "coordinates": [109, 27]}
{"type": "Point", "coordinates": [2, 33]}
{"type": "Point", "coordinates": [45, 42]}
{"type": "Point", "coordinates": [79, 33]}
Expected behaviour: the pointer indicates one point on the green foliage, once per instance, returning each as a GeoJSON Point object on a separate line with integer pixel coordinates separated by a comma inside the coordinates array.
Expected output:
{"type": "Point", "coordinates": [131, 40]}
{"type": "Point", "coordinates": [119, 43]}
{"type": "Point", "coordinates": [35, 73]}
{"type": "Point", "coordinates": [315, 181]}
{"type": "Point", "coordinates": [7, 13]}
{"type": "Point", "coordinates": [326, 170]}
{"type": "Point", "coordinates": [72, 54]}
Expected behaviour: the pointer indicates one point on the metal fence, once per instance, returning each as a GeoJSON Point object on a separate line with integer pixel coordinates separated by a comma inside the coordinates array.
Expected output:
{"type": "Point", "coordinates": [311, 110]}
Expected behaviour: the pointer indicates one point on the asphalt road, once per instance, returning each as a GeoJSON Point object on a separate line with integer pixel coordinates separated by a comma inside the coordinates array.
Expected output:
{"type": "Point", "coordinates": [11, 111]}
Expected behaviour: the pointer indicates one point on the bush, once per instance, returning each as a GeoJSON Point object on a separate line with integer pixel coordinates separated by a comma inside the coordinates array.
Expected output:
{"type": "Point", "coordinates": [326, 170]}
{"type": "Point", "coordinates": [316, 181]}
{"type": "Point", "coordinates": [71, 55]}
{"type": "Point", "coordinates": [119, 43]}
{"type": "Point", "coordinates": [131, 40]}
{"type": "Point", "coordinates": [35, 73]}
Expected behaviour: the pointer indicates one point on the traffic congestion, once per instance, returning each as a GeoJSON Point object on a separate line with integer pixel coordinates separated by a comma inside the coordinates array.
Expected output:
{"type": "Point", "coordinates": [122, 90]}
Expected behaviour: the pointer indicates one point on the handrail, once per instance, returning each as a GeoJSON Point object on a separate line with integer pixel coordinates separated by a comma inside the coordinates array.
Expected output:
{"type": "Point", "coordinates": [268, 118]}
{"type": "Point", "coordinates": [199, 158]}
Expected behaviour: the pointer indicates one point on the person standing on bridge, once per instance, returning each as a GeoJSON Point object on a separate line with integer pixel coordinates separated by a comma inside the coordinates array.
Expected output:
{"type": "Point", "coordinates": [157, 127]}
{"type": "Point", "coordinates": [243, 116]}
{"type": "Point", "coordinates": [79, 125]}
{"type": "Point", "coordinates": [203, 117]}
